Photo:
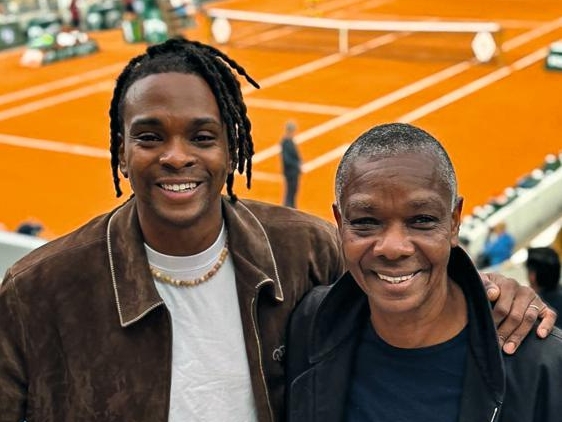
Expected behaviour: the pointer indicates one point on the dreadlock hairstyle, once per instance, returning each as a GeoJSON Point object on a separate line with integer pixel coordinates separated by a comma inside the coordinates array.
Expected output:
{"type": "Point", "coordinates": [216, 68]}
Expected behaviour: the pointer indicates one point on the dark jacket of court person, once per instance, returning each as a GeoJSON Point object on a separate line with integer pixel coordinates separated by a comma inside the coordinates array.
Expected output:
{"type": "Point", "coordinates": [75, 377]}
{"type": "Point", "coordinates": [327, 326]}
{"type": "Point", "coordinates": [291, 162]}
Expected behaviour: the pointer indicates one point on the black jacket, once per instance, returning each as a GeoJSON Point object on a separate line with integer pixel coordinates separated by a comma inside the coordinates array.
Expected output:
{"type": "Point", "coordinates": [325, 329]}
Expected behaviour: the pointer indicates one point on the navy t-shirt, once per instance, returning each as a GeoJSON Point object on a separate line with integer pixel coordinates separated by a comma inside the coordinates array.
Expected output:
{"type": "Point", "coordinates": [390, 384]}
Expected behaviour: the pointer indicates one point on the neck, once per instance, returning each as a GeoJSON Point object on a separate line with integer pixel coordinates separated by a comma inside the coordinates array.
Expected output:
{"type": "Point", "coordinates": [178, 241]}
{"type": "Point", "coordinates": [424, 328]}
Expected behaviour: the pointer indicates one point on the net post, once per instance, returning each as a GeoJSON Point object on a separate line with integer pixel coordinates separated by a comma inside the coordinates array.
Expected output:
{"type": "Point", "coordinates": [344, 40]}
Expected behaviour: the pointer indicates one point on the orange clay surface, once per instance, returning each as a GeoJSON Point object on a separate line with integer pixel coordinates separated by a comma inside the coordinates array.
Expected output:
{"type": "Point", "coordinates": [497, 120]}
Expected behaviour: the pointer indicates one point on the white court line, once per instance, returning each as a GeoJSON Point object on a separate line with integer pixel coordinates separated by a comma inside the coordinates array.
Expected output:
{"type": "Point", "coordinates": [56, 99]}
{"type": "Point", "coordinates": [368, 108]}
{"type": "Point", "coordinates": [60, 83]}
{"type": "Point", "coordinates": [324, 159]}
{"type": "Point", "coordinates": [474, 86]}
{"type": "Point", "coordinates": [267, 177]}
{"type": "Point", "coordinates": [82, 92]}
{"type": "Point", "coordinates": [534, 33]}
{"type": "Point", "coordinates": [314, 132]}
{"type": "Point", "coordinates": [321, 63]}
{"type": "Point", "coordinates": [296, 106]}
{"type": "Point", "coordinates": [439, 103]}
{"type": "Point", "coordinates": [54, 146]}
{"type": "Point", "coordinates": [407, 90]}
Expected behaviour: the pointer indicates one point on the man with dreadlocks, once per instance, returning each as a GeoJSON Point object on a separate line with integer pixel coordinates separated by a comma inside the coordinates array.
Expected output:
{"type": "Point", "coordinates": [173, 306]}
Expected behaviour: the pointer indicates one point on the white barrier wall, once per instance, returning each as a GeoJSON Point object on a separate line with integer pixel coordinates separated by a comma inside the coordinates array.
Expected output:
{"type": "Point", "coordinates": [530, 213]}
{"type": "Point", "coordinates": [13, 246]}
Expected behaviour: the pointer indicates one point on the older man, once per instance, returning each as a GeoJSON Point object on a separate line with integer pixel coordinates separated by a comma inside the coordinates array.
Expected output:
{"type": "Point", "coordinates": [407, 334]}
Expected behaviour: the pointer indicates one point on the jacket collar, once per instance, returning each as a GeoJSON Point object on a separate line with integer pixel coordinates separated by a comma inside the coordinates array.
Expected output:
{"type": "Point", "coordinates": [343, 310]}
{"type": "Point", "coordinates": [135, 293]}
{"type": "Point", "coordinates": [254, 262]}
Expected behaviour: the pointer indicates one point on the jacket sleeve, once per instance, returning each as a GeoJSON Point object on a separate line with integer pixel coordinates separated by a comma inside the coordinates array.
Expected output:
{"type": "Point", "coordinates": [329, 262]}
{"type": "Point", "coordinates": [13, 382]}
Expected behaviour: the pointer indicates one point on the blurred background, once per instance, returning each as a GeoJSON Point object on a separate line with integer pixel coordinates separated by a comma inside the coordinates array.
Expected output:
{"type": "Point", "coordinates": [484, 77]}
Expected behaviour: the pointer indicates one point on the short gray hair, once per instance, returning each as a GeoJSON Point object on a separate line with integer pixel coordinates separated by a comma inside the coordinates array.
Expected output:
{"type": "Point", "coordinates": [390, 140]}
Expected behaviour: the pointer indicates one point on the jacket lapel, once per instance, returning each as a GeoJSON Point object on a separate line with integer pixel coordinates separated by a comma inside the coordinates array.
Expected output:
{"type": "Point", "coordinates": [339, 320]}
{"type": "Point", "coordinates": [484, 384]}
{"type": "Point", "coordinates": [135, 293]}
{"type": "Point", "coordinates": [254, 262]}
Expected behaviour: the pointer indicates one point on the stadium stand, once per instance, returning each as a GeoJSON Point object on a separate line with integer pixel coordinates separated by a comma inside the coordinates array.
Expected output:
{"type": "Point", "coordinates": [531, 207]}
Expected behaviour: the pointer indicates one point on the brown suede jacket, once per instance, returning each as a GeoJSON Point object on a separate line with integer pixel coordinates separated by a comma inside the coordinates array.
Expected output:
{"type": "Point", "coordinates": [84, 335]}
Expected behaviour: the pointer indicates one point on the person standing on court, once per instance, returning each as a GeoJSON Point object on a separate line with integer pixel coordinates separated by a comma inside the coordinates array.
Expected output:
{"type": "Point", "coordinates": [173, 306]}
{"type": "Point", "coordinates": [291, 162]}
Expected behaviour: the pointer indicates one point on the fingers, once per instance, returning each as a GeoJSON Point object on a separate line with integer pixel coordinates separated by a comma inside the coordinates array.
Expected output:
{"type": "Point", "coordinates": [506, 295]}
{"type": "Point", "coordinates": [514, 338]}
{"type": "Point", "coordinates": [516, 310]}
{"type": "Point", "coordinates": [536, 309]}
{"type": "Point", "coordinates": [548, 318]}
{"type": "Point", "coordinates": [492, 290]}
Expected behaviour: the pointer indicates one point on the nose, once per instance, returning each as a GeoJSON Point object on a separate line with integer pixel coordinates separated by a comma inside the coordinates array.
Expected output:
{"type": "Point", "coordinates": [393, 242]}
{"type": "Point", "coordinates": [178, 153]}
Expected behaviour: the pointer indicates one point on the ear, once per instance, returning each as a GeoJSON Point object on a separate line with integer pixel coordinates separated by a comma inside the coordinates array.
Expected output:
{"type": "Point", "coordinates": [456, 222]}
{"type": "Point", "coordinates": [122, 161]}
{"type": "Point", "coordinates": [337, 215]}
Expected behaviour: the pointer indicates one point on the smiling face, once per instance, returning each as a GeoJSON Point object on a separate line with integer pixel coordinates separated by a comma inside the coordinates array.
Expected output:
{"type": "Point", "coordinates": [174, 151]}
{"type": "Point", "coordinates": [397, 230]}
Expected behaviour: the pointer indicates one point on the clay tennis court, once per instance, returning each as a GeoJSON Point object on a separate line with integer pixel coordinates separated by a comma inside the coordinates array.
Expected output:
{"type": "Point", "coordinates": [498, 120]}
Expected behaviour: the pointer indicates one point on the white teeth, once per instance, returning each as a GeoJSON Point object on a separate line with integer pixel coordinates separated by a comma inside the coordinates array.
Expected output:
{"type": "Point", "coordinates": [182, 187]}
{"type": "Point", "coordinates": [395, 280]}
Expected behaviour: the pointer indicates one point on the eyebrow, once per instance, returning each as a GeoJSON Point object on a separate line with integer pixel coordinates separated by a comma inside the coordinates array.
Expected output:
{"type": "Point", "coordinates": [367, 205]}
{"type": "Point", "coordinates": [200, 121]}
{"type": "Point", "coordinates": [421, 203]}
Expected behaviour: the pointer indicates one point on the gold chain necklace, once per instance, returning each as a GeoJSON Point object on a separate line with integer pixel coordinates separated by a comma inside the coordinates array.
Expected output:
{"type": "Point", "coordinates": [164, 278]}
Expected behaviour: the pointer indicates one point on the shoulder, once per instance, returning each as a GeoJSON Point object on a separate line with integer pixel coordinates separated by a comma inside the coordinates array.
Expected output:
{"type": "Point", "coordinates": [535, 353]}
{"type": "Point", "coordinates": [289, 219]}
{"type": "Point", "coordinates": [309, 305]}
{"type": "Point", "coordinates": [66, 251]}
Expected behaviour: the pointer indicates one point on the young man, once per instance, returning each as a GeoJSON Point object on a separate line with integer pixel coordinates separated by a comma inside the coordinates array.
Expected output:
{"type": "Point", "coordinates": [407, 334]}
{"type": "Point", "coordinates": [173, 307]}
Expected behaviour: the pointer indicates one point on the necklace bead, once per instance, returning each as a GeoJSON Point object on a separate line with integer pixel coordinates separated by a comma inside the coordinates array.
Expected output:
{"type": "Point", "coordinates": [164, 278]}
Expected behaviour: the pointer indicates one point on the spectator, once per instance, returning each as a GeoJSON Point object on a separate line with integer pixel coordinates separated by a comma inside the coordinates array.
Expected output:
{"type": "Point", "coordinates": [407, 333]}
{"type": "Point", "coordinates": [498, 246]}
{"type": "Point", "coordinates": [30, 228]}
{"type": "Point", "coordinates": [291, 162]}
{"type": "Point", "coordinates": [543, 269]}
{"type": "Point", "coordinates": [74, 14]}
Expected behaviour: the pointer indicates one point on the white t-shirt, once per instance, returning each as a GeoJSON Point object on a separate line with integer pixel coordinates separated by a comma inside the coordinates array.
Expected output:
{"type": "Point", "coordinates": [210, 372]}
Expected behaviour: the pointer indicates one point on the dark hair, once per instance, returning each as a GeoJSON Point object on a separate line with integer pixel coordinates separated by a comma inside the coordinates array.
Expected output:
{"type": "Point", "coordinates": [216, 68]}
{"type": "Point", "coordinates": [545, 263]}
{"type": "Point", "coordinates": [390, 140]}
